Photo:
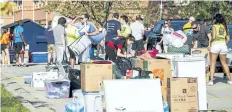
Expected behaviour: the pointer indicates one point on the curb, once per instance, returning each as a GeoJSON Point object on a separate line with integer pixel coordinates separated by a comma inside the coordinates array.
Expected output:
{"type": "Point", "coordinates": [25, 98]}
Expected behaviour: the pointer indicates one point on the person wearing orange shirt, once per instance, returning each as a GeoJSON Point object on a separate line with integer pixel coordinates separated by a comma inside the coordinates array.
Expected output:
{"type": "Point", "coordinates": [5, 41]}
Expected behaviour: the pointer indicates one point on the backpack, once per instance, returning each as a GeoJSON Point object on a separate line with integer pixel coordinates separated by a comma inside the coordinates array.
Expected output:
{"type": "Point", "coordinates": [157, 27]}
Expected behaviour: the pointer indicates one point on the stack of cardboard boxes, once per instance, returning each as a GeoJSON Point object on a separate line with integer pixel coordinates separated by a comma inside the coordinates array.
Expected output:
{"type": "Point", "coordinates": [180, 93]}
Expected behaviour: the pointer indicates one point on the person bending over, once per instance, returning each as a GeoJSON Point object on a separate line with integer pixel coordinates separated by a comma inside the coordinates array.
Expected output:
{"type": "Point", "coordinates": [114, 48]}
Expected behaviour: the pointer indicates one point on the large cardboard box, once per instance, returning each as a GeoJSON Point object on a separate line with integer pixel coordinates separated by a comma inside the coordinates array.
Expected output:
{"type": "Point", "coordinates": [201, 52]}
{"type": "Point", "coordinates": [93, 74]}
{"type": "Point", "coordinates": [183, 98]}
{"type": "Point", "coordinates": [160, 68]}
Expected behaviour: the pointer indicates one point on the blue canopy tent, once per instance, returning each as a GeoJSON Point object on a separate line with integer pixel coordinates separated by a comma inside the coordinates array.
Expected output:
{"type": "Point", "coordinates": [33, 35]}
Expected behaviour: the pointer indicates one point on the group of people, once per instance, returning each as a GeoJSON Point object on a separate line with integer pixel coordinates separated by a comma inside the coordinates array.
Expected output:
{"type": "Point", "coordinates": [16, 41]}
{"type": "Point", "coordinates": [124, 39]}
{"type": "Point", "coordinates": [121, 40]}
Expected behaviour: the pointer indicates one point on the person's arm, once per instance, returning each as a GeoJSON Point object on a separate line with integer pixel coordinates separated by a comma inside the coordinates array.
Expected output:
{"type": "Point", "coordinates": [22, 37]}
{"type": "Point", "coordinates": [96, 31]}
{"type": "Point", "coordinates": [227, 38]}
{"type": "Point", "coordinates": [119, 54]}
{"type": "Point", "coordinates": [208, 35]}
{"type": "Point", "coordinates": [63, 36]}
{"type": "Point", "coordinates": [118, 26]}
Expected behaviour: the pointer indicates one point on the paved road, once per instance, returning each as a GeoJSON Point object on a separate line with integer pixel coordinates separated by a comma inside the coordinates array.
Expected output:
{"type": "Point", "coordinates": [219, 95]}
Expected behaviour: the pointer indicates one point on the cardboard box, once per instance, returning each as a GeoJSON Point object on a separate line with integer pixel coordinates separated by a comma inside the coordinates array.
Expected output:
{"type": "Point", "coordinates": [202, 52]}
{"type": "Point", "coordinates": [183, 96]}
{"type": "Point", "coordinates": [160, 68]}
{"type": "Point", "coordinates": [93, 74]}
{"type": "Point", "coordinates": [26, 54]}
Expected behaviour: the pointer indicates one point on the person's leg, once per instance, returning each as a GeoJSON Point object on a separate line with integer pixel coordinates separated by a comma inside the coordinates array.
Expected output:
{"type": "Point", "coordinates": [7, 56]}
{"type": "Point", "coordinates": [134, 47]}
{"type": "Point", "coordinates": [17, 53]}
{"type": "Point", "coordinates": [111, 54]}
{"type": "Point", "coordinates": [59, 54]}
{"type": "Point", "coordinates": [165, 49]}
{"type": "Point", "coordinates": [49, 54]}
{"type": "Point", "coordinates": [8, 53]}
{"type": "Point", "coordinates": [21, 54]}
{"type": "Point", "coordinates": [213, 59]}
{"type": "Point", "coordinates": [225, 66]}
{"type": "Point", "coordinates": [85, 55]}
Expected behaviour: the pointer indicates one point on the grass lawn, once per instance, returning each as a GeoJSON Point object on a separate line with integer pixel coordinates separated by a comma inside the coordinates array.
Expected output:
{"type": "Point", "coordinates": [9, 103]}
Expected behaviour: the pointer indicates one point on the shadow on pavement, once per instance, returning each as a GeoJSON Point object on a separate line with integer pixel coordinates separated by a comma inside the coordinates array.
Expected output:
{"type": "Point", "coordinates": [219, 79]}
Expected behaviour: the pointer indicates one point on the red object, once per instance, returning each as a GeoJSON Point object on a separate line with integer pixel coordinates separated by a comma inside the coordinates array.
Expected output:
{"type": "Point", "coordinates": [129, 74]}
{"type": "Point", "coordinates": [152, 53]}
{"type": "Point", "coordinates": [102, 62]}
{"type": "Point", "coordinates": [178, 35]}
{"type": "Point", "coordinates": [22, 52]}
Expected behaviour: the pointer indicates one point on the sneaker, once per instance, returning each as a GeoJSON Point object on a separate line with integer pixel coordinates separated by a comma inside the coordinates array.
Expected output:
{"type": "Point", "coordinates": [210, 83]}
{"type": "Point", "coordinates": [48, 64]}
{"type": "Point", "coordinates": [224, 76]}
{"type": "Point", "coordinates": [229, 82]}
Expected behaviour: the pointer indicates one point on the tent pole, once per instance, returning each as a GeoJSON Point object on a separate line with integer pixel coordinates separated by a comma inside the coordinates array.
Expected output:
{"type": "Point", "coordinates": [22, 10]}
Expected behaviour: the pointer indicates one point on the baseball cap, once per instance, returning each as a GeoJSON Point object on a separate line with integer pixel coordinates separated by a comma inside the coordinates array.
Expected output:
{"type": "Point", "coordinates": [84, 16]}
{"type": "Point", "coordinates": [192, 18]}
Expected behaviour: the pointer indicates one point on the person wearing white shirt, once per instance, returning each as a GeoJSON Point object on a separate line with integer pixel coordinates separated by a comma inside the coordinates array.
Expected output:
{"type": "Point", "coordinates": [137, 29]}
{"type": "Point", "coordinates": [166, 31]}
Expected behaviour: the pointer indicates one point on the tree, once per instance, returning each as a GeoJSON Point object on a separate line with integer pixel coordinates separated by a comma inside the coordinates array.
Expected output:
{"type": "Point", "coordinates": [97, 10]}
{"type": "Point", "coordinates": [7, 8]}
{"type": "Point", "coordinates": [206, 9]}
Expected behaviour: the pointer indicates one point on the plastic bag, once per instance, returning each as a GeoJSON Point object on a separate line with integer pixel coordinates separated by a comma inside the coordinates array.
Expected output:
{"type": "Point", "coordinates": [77, 105]}
{"type": "Point", "coordinates": [75, 79]}
{"type": "Point", "coordinates": [158, 47]}
{"type": "Point", "coordinates": [178, 38]}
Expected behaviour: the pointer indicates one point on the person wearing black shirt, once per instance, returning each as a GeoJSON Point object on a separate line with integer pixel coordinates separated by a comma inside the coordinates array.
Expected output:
{"type": "Point", "coordinates": [114, 47]}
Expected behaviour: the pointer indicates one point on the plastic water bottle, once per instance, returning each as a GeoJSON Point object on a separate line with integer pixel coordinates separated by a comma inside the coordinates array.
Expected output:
{"type": "Point", "coordinates": [166, 107]}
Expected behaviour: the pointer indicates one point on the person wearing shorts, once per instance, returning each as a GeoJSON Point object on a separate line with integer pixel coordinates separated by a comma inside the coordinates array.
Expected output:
{"type": "Point", "coordinates": [51, 44]}
{"type": "Point", "coordinates": [5, 41]}
{"type": "Point", "coordinates": [20, 43]}
{"type": "Point", "coordinates": [220, 40]}
{"type": "Point", "coordinates": [137, 29]}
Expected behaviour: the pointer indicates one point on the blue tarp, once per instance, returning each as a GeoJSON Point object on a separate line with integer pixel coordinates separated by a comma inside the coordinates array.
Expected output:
{"type": "Point", "coordinates": [33, 34]}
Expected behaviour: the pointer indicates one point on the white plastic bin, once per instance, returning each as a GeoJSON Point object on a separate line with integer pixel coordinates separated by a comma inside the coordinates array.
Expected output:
{"type": "Point", "coordinates": [193, 67]}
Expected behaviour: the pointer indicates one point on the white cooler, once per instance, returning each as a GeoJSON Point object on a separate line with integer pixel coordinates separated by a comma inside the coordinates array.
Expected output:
{"type": "Point", "coordinates": [193, 67]}
{"type": "Point", "coordinates": [171, 56]}
{"type": "Point", "coordinates": [92, 102]}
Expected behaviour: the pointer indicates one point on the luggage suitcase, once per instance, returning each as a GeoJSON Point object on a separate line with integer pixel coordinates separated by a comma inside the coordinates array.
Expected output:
{"type": "Point", "coordinates": [57, 88]}
{"type": "Point", "coordinates": [38, 78]}
{"type": "Point", "coordinates": [80, 45]}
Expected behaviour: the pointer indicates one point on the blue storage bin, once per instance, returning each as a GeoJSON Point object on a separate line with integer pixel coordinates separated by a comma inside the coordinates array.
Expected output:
{"type": "Point", "coordinates": [39, 57]}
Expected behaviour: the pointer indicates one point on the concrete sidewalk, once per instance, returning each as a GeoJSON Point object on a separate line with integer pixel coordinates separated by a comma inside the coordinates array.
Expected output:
{"type": "Point", "coordinates": [219, 95]}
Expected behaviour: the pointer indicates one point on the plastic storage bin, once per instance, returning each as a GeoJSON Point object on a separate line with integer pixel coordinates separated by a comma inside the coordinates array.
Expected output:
{"type": "Point", "coordinates": [57, 88]}
{"type": "Point", "coordinates": [39, 57]}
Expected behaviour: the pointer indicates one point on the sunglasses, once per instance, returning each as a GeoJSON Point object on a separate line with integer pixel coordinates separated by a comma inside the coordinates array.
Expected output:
{"type": "Point", "coordinates": [194, 28]}
{"type": "Point", "coordinates": [165, 23]}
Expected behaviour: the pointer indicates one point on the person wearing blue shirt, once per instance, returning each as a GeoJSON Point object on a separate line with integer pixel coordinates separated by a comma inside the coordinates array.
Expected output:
{"type": "Point", "coordinates": [20, 43]}
{"type": "Point", "coordinates": [88, 29]}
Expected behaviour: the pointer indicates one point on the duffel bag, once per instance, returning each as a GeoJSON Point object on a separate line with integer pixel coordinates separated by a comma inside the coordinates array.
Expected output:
{"type": "Point", "coordinates": [184, 49]}
{"type": "Point", "coordinates": [75, 80]}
